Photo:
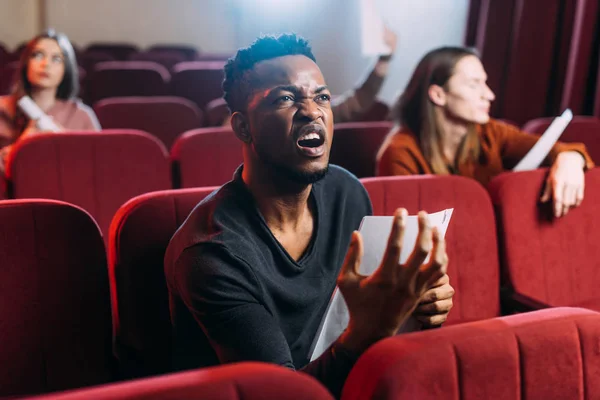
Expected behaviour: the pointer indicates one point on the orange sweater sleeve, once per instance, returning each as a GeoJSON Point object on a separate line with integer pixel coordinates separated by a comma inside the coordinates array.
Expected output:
{"type": "Point", "coordinates": [514, 144]}
{"type": "Point", "coordinates": [400, 155]}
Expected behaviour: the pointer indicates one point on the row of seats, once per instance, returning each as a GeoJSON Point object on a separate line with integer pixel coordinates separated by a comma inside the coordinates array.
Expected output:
{"type": "Point", "coordinates": [100, 171]}
{"type": "Point", "coordinates": [56, 271]}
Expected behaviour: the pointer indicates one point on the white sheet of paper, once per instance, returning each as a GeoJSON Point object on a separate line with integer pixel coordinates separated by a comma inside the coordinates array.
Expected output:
{"type": "Point", "coordinates": [375, 231]}
{"type": "Point", "coordinates": [534, 158]}
{"type": "Point", "coordinates": [371, 24]}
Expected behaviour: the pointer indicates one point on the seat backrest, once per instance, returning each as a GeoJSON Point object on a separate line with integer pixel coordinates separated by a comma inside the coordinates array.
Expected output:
{"type": "Point", "coordinates": [126, 78]}
{"type": "Point", "coordinates": [379, 111]}
{"type": "Point", "coordinates": [9, 70]}
{"type": "Point", "coordinates": [189, 52]}
{"type": "Point", "coordinates": [164, 117]}
{"type": "Point", "coordinates": [581, 129]}
{"type": "Point", "coordinates": [216, 112]}
{"type": "Point", "coordinates": [470, 240]}
{"type": "Point", "coordinates": [248, 380]}
{"type": "Point", "coordinates": [54, 299]}
{"type": "Point", "coordinates": [547, 354]}
{"type": "Point", "coordinates": [119, 51]}
{"type": "Point", "coordinates": [198, 81]}
{"type": "Point", "coordinates": [139, 235]}
{"type": "Point", "coordinates": [205, 157]}
{"type": "Point", "coordinates": [355, 146]}
{"type": "Point", "coordinates": [89, 59]}
{"type": "Point", "coordinates": [166, 59]}
{"type": "Point", "coordinates": [98, 171]}
{"type": "Point", "coordinates": [554, 261]}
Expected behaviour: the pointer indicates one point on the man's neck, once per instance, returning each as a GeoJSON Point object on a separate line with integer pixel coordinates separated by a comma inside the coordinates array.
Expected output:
{"type": "Point", "coordinates": [44, 98]}
{"type": "Point", "coordinates": [283, 204]}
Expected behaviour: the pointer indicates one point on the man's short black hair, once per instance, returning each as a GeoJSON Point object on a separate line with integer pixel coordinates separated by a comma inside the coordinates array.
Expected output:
{"type": "Point", "coordinates": [236, 84]}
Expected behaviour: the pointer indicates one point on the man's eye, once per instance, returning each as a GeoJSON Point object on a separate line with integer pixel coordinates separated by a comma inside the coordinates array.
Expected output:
{"type": "Point", "coordinates": [324, 98]}
{"type": "Point", "coordinates": [283, 99]}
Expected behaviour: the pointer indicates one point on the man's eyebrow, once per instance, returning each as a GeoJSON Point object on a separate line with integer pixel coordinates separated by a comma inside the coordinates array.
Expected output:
{"type": "Point", "coordinates": [286, 88]}
{"type": "Point", "coordinates": [321, 89]}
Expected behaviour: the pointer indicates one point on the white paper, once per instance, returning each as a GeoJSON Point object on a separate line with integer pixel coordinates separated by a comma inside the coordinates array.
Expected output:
{"type": "Point", "coordinates": [534, 158]}
{"type": "Point", "coordinates": [372, 43]}
{"type": "Point", "coordinates": [375, 231]}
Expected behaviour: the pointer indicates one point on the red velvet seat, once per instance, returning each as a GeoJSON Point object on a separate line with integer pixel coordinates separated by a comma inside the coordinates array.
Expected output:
{"type": "Point", "coordinates": [355, 146]}
{"type": "Point", "coordinates": [164, 117]}
{"type": "Point", "coordinates": [54, 299]}
{"type": "Point", "coordinates": [139, 235]}
{"type": "Point", "coordinates": [470, 239]}
{"type": "Point", "coordinates": [167, 59]}
{"type": "Point", "coordinates": [198, 81]}
{"type": "Point", "coordinates": [216, 112]}
{"type": "Point", "coordinates": [189, 52]}
{"type": "Point", "coordinates": [126, 78]}
{"type": "Point", "coordinates": [99, 171]}
{"type": "Point", "coordinates": [554, 262]}
{"type": "Point", "coordinates": [205, 157]}
{"type": "Point", "coordinates": [119, 51]}
{"type": "Point", "coordinates": [581, 129]}
{"type": "Point", "coordinates": [7, 78]}
{"type": "Point", "coordinates": [542, 355]}
{"type": "Point", "coordinates": [247, 381]}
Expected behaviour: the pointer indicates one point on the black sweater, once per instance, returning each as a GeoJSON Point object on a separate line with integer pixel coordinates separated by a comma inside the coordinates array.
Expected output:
{"type": "Point", "coordinates": [237, 295]}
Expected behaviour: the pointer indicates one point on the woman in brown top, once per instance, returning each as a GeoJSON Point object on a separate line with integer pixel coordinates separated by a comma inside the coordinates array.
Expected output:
{"type": "Point", "coordinates": [47, 73]}
{"type": "Point", "coordinates": [443, 127]}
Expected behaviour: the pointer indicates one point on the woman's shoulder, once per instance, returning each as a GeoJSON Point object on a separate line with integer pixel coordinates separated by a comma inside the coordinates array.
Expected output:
{"type": "Point", "coordinates": [401, 138]}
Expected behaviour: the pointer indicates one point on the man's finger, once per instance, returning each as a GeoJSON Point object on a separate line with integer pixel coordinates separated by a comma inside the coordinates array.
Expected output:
{"type": "Point", "coordinates": [423, 245]}
{"type": "Point", "coordinates": [436, 294]}
{"type": "Point", "coordinates": [437, 266]}
{"type": "Point", "coordinates": [558, 199]}
{"type": "Point", "coordinates": [432, 320]}
{"type": "Point", "coordinates": [437, 307]}
{"type": "Point", "coordinates": [353, 258]}
{"type": "Point", "coordinates": [391, 258]}
{"type": "Point", "coordinates": [444, 280]}
{"type": "Point", "coordinates": [579, 195]}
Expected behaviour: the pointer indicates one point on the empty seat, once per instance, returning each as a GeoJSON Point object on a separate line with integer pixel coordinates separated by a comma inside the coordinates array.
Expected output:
{"type": "Point", "coordinates": [139, 235]}
{"type": "Point", "coordinates": [213, 57]}
{"type": "Point", "coordinates": [355, 146]}
{"type": "Point", "coordinates": [470, 240]}
{"type": "Point", "coordinates": [164, 58]}
{"type": "Point", "coordinates": [127, 78]}
{"type": "Point", "coordinates": [119, 51]}
{"type": "Point", "coordinates": [164, 117]}
{"type": "Point", "coordinates": [189, 52]}
{"type": "Point", "coordinates": [548, 354]}
{"type": "Point", "coordinates": [99, 171]}
{"type": "Point", "coordinates": [581, 129]}
{"type": "Point", "coordinates": [547, 261]}
{"type": "Point", "coordinates": [379, 111]}
{"type": "Point", "coordinates": [54, 299]}
{"type": "Point", "coordinates": [8, 77]}
{"type": "Point", "coordinates": [89, 59]}
{"type": "Point", "coordinates": [249, 381]}
{"type": "Point", "coordinates": [205, 157]}
{"type": "Point", "coordinates": [216, 112]}
{"type": "Point", "coordinates": [198, 81]}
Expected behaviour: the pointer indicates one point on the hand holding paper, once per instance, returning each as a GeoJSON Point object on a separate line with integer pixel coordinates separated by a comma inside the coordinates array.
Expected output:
{"type": "Point", "coordinates": [378, 304]}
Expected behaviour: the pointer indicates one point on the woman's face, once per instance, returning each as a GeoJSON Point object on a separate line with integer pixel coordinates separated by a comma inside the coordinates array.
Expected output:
{"type": "Point", "coordinates": [467, 96]}
{"type": "Point", "coordinates": [46, 67]}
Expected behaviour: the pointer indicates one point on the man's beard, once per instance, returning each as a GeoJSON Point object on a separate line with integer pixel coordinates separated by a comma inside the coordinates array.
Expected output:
{"type": "Point", "coordinates": [290, 173]}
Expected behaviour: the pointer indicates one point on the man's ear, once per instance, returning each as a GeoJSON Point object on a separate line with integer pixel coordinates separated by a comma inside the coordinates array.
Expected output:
{"type": "Point", "coordinates": [437, 95]}
{"type": "Point", "coordinates": [240, 127]}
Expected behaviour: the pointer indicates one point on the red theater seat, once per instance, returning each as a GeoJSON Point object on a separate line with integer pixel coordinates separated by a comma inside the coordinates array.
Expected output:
{"type": "Point", "coordinates": [355, 146]}
{"type": "Point", "coordinates": [470, 239]}
{"type": "Point", "coordinates": [189, 52]}
{"type": "Point", "coordinates": [164, 117]}
{"type": "Point", "coordinates": [54, 299]}
{"type": "Point", "coordinates": [139, 235]}
{"type": "Point", "coordinates": [581, 129]}
{"type": "Point", "coordinates": [126, 78]}
{"type": "Point", "coordinates": [98, 171]}
{"type": "Point", "coordinates": [167, 59]}
{"type": "Point", "coordinates": [119, 51]}
{"type": "Point", "coordinates": [216, 112]}
{"type": "Point", "coordinates": [243, 381]}
{"type": "Point", "coordinates": [547, 261]}
{"type": "Point", "coordinates": [542, 355]}
{"type": "Point", "coordinates": [205, 157]}
{"type": "Point", "coordinates": [198, 81]}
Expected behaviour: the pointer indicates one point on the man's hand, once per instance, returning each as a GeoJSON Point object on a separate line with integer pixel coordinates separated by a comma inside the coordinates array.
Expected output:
{"type": "Point", "coordinates": [390, 39]}
{"type": "Point", "coordinates": [379, 304]}
{"type": "Point", "coordinates": [566, 183]}
{"type": "Point", "coordinates": [435, 304]}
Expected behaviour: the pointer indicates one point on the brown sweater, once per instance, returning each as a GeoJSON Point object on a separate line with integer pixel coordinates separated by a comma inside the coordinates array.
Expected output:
{"type": "Point", "coordinates": [502, 147]}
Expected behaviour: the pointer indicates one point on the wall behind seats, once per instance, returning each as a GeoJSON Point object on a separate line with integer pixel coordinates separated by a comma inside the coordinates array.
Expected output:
{"type": "Point", "coordinates": [203, 23]}
{"type": "Point", "coordinates": [19, 20]}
